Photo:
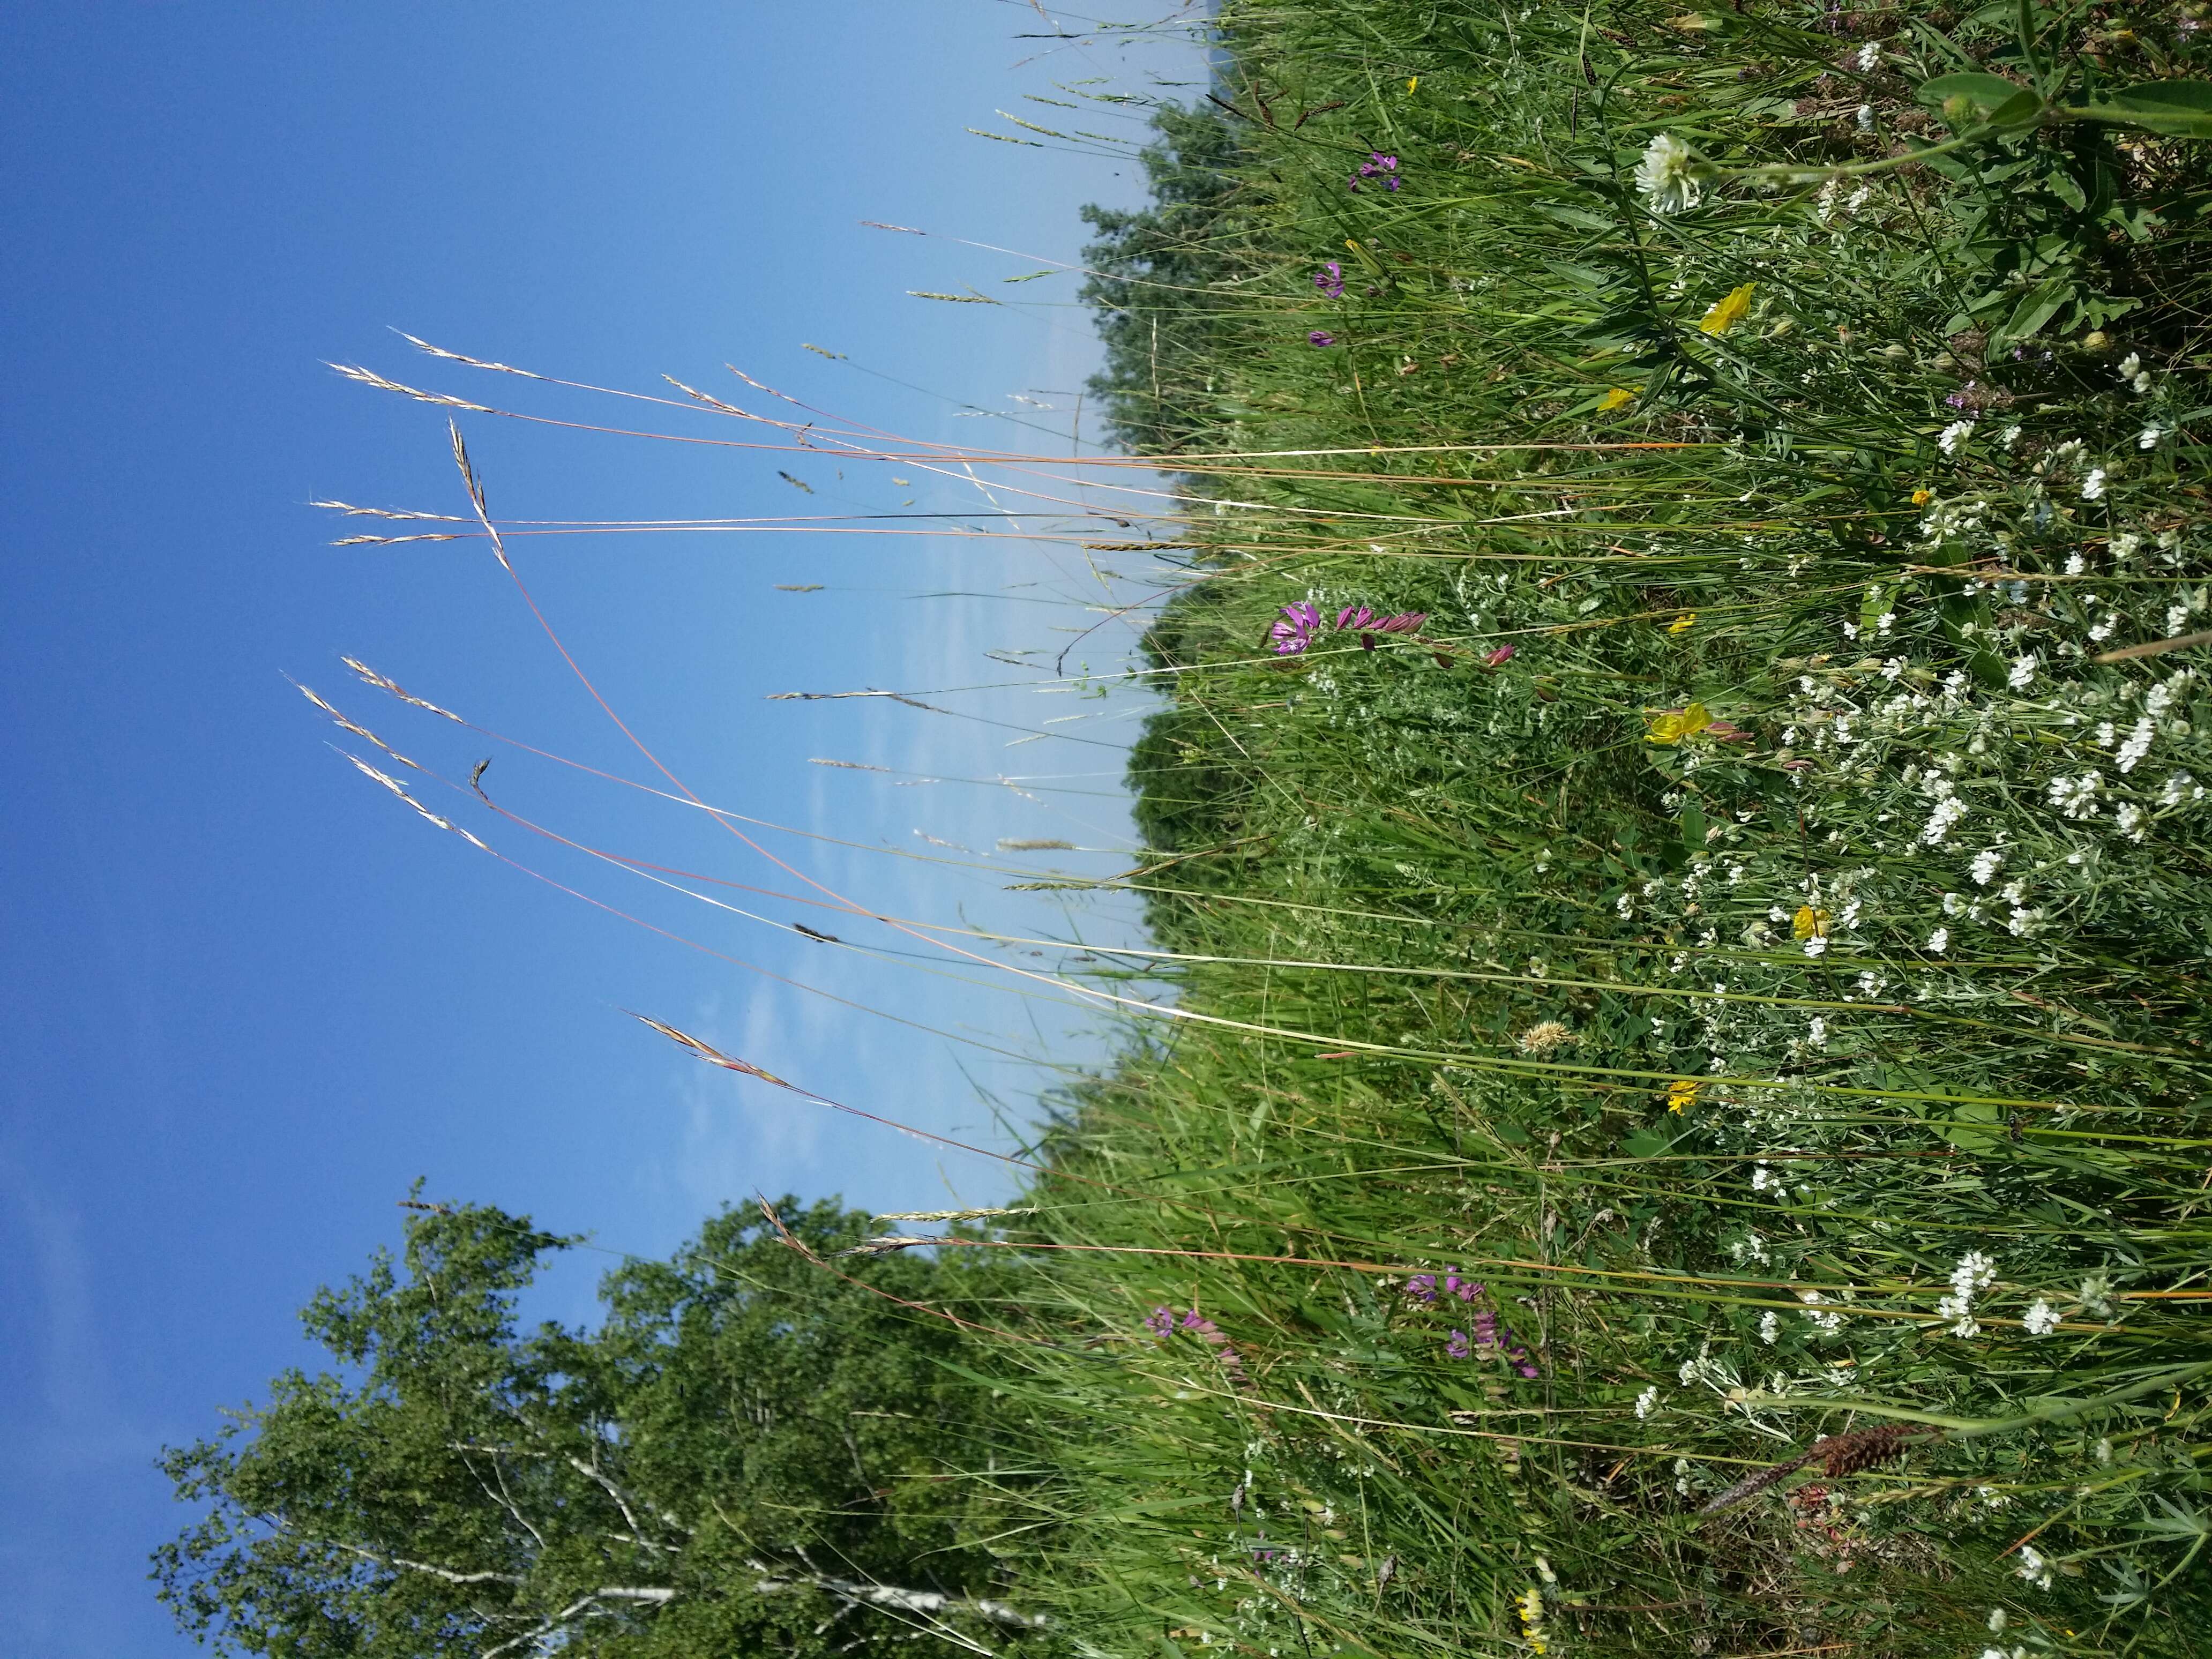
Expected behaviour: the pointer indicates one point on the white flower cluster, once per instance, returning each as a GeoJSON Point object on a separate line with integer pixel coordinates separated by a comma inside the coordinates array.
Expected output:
{"type": "Point", "coordinates": [1667, 176]}
{"type": "Point", "coordinates": [1975, 1273]}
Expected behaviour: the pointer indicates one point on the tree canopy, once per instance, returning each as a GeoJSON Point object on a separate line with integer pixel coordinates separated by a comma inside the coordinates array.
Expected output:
{"type": "Point", "coordinates": [755, 1452]}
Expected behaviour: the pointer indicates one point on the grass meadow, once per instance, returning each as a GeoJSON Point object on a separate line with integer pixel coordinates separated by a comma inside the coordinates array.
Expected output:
{"type": "Point", "coordinates": [1673, 820]}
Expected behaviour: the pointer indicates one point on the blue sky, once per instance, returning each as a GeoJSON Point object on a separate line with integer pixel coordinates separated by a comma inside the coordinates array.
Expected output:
{"type": "Point", "coordinates": [249, 996]}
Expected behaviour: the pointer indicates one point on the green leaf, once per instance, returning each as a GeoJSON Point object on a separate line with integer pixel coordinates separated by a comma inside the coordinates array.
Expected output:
{"type": "Point", "coordinates": [2037, 307]}
{"type": "Point", "coordinates": [1981, 95]}
{"type": "Point", "coordinates": [2181, 109]}
{"type": "Point", "coordinates": [1645, 1143]}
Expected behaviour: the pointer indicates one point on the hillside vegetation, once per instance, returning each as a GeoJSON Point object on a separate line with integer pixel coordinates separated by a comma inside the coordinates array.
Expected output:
{"type": "Point", "coordinates": [1677, 799]}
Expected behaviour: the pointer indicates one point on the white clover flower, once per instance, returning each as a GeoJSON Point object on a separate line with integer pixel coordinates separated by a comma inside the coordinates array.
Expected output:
{"type": "Point", "coordinates": [2033, 1567]}
{"type": "Point", "coordinates": [2092, 487]}
{"type": "Point", "coordinates": [1986, 866]}
{"type": "Point", "coordinates": [1954, 435]}
{"type": "Point", "coordinates": [2177, 618]}
{"type": "Point", "coordinates": [1940, 940]}
{"type": "Point", "coordinates": [1869, 59]}
{"type": "Point", "coordinates": [2023, 922]}
{"type": "Point", "coordinates": [1816, 946]}
{"type": "Point", "coordinates": [1646, 1401]}
{"type": "Point", "coordinates": [2041, 1319]}
{"type": "Point", "coordinates": [2177, 788]}
{"type": "Point", "coordinates": [2134, 822]}
{"type": "Point", "coordinates": [1666, 176]}
{"type": "Point", "coordinates": [1770, 1326]}
{"type": "Point", "coordinates": [2160, 697]}
{"type": "Point", "coordinates": [2023, 672]}
{"type": "Point", "coordinates": [2148, 437]}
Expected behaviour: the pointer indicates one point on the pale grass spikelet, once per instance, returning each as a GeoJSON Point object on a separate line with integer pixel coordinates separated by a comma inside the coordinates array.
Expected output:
{"type": "Point", "coordinates": [1545, 1037]}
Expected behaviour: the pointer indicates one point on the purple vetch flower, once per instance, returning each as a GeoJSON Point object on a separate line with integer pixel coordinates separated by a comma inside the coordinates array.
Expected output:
{"type": "Point", "coordinates": [1160, 1321]}
{"type": "Point", "coordinates": [1296, 633]}
{"type": "Point", "coordinates": [1500, 656]}
{"type": "Point", "coordinates": [1329, 279]}
{"type": "Point", "coordinates": [1422, 1287]}
{"type": "Point", "coordinates": [1355, 616]}
{"type": "Point", "coordinates": [1465, 1289]}
{"type": "Point", "coordinates": [1457, 1347]}
{"type": "Point", "coordinates": [1321, 336]}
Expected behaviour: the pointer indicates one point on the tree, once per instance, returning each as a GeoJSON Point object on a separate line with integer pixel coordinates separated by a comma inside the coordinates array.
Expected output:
{"type": "Point", "coordinates": [1154, 293]}
{"type": "Point", "coordinates": [750, 1455]}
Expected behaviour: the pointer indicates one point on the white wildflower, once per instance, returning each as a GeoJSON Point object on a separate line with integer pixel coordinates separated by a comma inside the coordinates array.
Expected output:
{"type": "Point", "coordinates": [2063, 458]}
{"type": "Point", "coordinates": [1975, 1273]}
{"type": "Point", "coordinates": [1940, 940]}
{"type": "Point", "coordinates": [1954, 435]}
{"type": "Point", "coordinates": [2134, 822]}
{"type": "Point", "coordinates": [1816, 1032]}
{"type": "Point", "coordinates": [2074, 564]}
{"type": "Point", "coordinates": [2126, 544]}
{"type": "Point", "coordinates": [2092, 487]}
{"type": "Point", "coordinates": [1997, 1620]}
{"type": "Point", "coordinates": [1816, 946]}
{"type": "Point", "coordinates": [1869, 59]}
{"type": "Point", "coordinates": [1647, 1400]}
{"type": "Point", "coordinates": [2178, 787]}
{"type": "Point", "coordinates": [1666, 176]}
{"type": "Point", "coordinates": [1770, 1326]}
{"type": "Point", "coordinates": [2033, 1567]}
{"type": "Point", "coordinates": [2148, 437]}
{"type": "Point", "coordinates": [1866, 118]}
{"type": "Point", "coordinates": [2077, 797]}
{"type": "Point", "coordinates": [2023, 672]}
{"type": "Point", "coordinates": [2022, 922]}
{"type": "Point", "coordinates": [2042, 1318]}
{"type": "Point", "coordinates": [1986, 866]}
{"type": "Point", "coordinates": [1942, 821]}
{"type": "Point", "coordinates": [2133, 373]}
{"type": "Point", "coordinates": [2008, 437]}
{"type": "Point", "coordinates": [2138, 743]}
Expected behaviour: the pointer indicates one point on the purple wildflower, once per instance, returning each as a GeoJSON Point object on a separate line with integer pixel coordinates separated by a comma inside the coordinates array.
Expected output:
{"type": "Point", "coordinates": [1457, 1347]}
{"type": "Point", "coordinates": [1422, 1287]}
{"type": "Point", "coordinates": [1296, 633]}
{"type": "Point", "coordinates": [1352, 616]}
{"type": "Point", "coordinates": [1500, 656]}
{"type": "Point", "coordinates": [1406, 622]}
{"type": "Point", "coordinates": [1160, 1321]}
{"type": "Point", "coordinates": [1528, 1370]}
{"type": "Point", "coordinates": [1329, 279]}
{"type": "Point", "coordinates": [1321, 336]}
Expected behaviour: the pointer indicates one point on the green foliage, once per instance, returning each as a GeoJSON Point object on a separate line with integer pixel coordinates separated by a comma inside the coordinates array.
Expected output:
{"type": "Point", "coordinates": [751, 1454]}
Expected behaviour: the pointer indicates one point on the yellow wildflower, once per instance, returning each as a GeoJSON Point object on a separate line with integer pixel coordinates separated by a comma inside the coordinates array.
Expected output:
{"type": "Point", "coordinates": [1676, 724]}
{"type": "Point", "coordinates": [1683, 623]}
{"type": "Point", "coordinates": [1531, 1618]}
{"type": "Point", "coordinates": [1682, 1092]}
{"type": "Point", "coordinates": [1810, 923]}
{"type": "Point", "coordinates": [1619, 398]}
{"type": "Point", "coordinates": [1922, 497]}
{"type": "Point", "coordinates": [1725, 315]}
{"type": "Point", "coordinates": [1410, 84]}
